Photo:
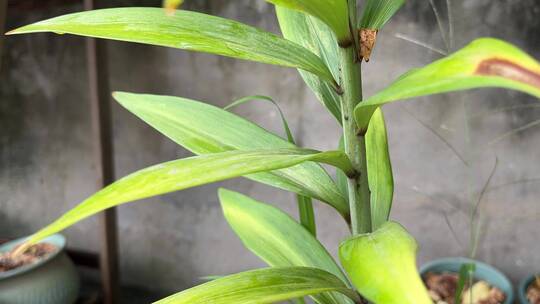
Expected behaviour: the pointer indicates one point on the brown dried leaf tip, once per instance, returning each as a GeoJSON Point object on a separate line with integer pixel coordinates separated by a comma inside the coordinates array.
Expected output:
{"type": "Point", "coordinates": [367, 38]}
{"type": "Point", "coordinates": [510, 70]}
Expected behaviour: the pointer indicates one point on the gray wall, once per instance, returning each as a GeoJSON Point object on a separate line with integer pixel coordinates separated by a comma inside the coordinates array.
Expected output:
{"type": "Point", "coordinates": [170, 241]}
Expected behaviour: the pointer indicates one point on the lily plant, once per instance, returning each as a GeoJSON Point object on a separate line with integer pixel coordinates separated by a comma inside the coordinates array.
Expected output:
{"type": "Point", "coordinates": [328, 42]}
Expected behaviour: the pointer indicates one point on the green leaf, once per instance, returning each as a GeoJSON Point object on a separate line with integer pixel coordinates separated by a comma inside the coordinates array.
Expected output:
{"type": "Point", "coordinates": [379, 168]}
{"type": "Point", "coordinates": [485, 62]}
{"type": "Point", "coordinates": [261, 286]}
{"type": "Point", "coordinates": [305, 204]}
{"type": "Point", "coordinates": [290, 137]}
{"type": "Point", "coordinates": [382, 266]}
{"type": "Point", "coordinates": [203, 129]}
{"type": "Point", "coordinates": [317, 37]}
{"type": "Point", "coordinates": [335, 13]}
{"type": "Point", "coordinates": [466, 275]}
{"type": "Point", "coordinates": [377, 13]}
{"type": "Point", "coordinates": [276, 238]}
{"type": "Point", "coordinates": [185, 30]}
{"type": "Point", "coordinates": [306, 213]}
{"type": "Point", "coordinates": [186, 173]}
{"type": "Point", "coordinates": [342, 179]}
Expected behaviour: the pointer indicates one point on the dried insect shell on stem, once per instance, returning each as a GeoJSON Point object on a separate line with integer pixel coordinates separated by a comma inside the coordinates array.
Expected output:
{"type": "Point", "coordinates": [367, 39]}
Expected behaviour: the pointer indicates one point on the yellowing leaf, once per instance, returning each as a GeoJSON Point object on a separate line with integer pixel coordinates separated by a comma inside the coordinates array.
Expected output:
{"type": "Point", "coordinates": [268, 285]}
{"type": "Point", "coordinates": [185, 30]}
{"type": "Point", "coordinates": [485, 62]}
{"type": "Point", "coordinates": [278, 239]}
{"type": "Point", "coordinates": [186, 173]}
{"type": "Point", "coordinates": [203, 129]}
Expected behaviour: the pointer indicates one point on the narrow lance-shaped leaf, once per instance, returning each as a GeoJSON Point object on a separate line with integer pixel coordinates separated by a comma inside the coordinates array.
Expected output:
{"type": "Point", "coordinates": [466, 276]}
{"type": "Point", "coordinates": [277, 238]}
{"type": "Point", "coordinates": [203, 129]}
{"type": "Point", "coordinates": [485, 62]}
{"type": "Point", "coordinates": [305, 203]}
{"type": "Point", "coordinates": [316, 36]}
{"type": "Point", "coordinates": [379, 168]}
{"type": "Point", "coordinates": [306, 213]}
{"type": "Point", "coordinates": [286, 128]}
{"type": "Point", "coordinates": [335, 13]}
{"type": "Point", "coordinates": [376, 13]}
{"type": "Point", "coordinates": [186, 173]}
{"type": "Point", "coordinates": [341, 178]}
{"type": "Point", "coordinates": [185, 30]}
{"type": "Point", "coordinates": [269, 285]}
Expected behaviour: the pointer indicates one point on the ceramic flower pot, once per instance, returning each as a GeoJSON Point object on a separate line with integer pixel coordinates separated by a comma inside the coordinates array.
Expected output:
{"type": "Point", "coordinates": [51, 280]}
{"type": "Point", "coordinates": [483, 272]}
{"type": "Point", "coordinates": [522, 289]}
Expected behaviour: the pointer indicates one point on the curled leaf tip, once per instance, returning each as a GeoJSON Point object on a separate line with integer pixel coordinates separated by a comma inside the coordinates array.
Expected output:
{"type": "Point", "coordinates": [367, 38]}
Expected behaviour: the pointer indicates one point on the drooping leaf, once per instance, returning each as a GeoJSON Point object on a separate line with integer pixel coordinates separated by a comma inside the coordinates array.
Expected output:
{"type": "Point", "coordinates": [335, 13]}
{"type": "Point", "coordinates": [186, 173]}
{"type": "Point", "coordinates": [318, 38]}
{"type": "Point", "coordinates": [276, 238]}
{"type": "Point", "coordinates": [268, 285]}
{"type": "Point", "coordinates": [376, 13]}
{"type": "Point", "coordinates": [379, 168]}
{"type": "Point", "coordinates": [185, 30]}
{"type": "Point", "coordinates": [305, 203]}
{"type": "Point", "coordinates": [485, 62]}
{"type": "Point", "coordinates": [382, 266]}
{"type": "Point", "coordinates": [203, 129]}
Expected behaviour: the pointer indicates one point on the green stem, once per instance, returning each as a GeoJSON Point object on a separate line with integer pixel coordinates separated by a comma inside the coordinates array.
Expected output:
{"type": "Point", "coordinates": [355, 146]}
{"type": "Point", "coordinates": [307, 215]}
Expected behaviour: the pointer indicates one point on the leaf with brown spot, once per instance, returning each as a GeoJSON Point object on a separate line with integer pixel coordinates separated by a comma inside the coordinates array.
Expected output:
{"type": "Point", "coordinates": [486, 62]}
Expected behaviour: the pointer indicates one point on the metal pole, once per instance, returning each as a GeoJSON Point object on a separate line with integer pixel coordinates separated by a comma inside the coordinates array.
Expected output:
{"type": "Point", "coordinates": [3, 21]}
{"type": "Point", "coordinates": [102, 141]}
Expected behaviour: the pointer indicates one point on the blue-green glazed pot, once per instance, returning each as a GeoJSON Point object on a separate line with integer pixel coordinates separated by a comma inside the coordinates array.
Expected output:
{"type": "Point", "coordinates": [52, 280]}
{"type": "Point", "coordinates": [483, 272]}
{"type": "Point", "coordinates": [522, 289]}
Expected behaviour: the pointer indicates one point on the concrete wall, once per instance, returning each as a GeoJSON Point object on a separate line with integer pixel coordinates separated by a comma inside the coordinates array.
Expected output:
{"type": "Point", "coordinates": [170, 241]}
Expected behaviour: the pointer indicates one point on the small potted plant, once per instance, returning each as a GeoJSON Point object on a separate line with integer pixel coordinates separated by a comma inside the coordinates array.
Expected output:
{"type": "Point", "coordinates": [529, 290]}
{"type": "Point", "coordinates": [42, 274]}
{"type": "Point", "coordinates": [447, 282]}
{"type": "Point", "coordinates": [462, 280]}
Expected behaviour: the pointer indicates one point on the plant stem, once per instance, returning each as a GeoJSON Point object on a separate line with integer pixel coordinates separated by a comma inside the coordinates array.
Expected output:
{"type": "Point", "coordinates": [355, 147]}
